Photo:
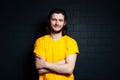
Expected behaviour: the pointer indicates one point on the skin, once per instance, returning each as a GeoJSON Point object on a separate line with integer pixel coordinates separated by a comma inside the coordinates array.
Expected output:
{"type": "Point", "coordinates": [57, 22]}
{"type": "Point", "coordinates": [65, 66]}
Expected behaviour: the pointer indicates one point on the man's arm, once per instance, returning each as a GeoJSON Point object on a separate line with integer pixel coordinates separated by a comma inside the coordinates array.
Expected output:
{"type": "Point", "coordinates": [66, 68]}
{"type": "Point", "coordinates": [44, 70]}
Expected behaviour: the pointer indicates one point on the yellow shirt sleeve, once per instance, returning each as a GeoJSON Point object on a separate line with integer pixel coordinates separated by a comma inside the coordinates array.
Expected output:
{"type": "Point", "coordinates": [39, 48]}
{"type": "Point", "coordinates": [72, 47]}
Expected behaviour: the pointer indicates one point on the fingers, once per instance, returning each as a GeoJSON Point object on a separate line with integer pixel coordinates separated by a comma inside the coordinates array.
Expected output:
{"type": "Point", "coordinates": [39, 57]}
{"type": "Point", "coordinates": [40, 71]}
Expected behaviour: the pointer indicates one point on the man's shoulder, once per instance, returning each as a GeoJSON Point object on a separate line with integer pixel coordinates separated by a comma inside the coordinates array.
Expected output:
{"type": "Point", "coordinates": [42, 38]}
{"type": "Point", "coordinates": [69, 38]}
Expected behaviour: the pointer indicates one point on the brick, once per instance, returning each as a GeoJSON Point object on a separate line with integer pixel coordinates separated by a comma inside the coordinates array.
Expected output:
{"type": "Point", "coordinates": [80, 27]}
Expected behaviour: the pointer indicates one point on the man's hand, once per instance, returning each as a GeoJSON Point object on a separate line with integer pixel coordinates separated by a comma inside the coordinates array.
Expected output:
{"type": "Point", "coordinates": [40, 62]}
{"type": "Point", "coordinates": [43, 71]}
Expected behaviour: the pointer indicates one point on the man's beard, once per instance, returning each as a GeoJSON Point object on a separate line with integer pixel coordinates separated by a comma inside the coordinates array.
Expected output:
{"type": "Point", "coordinates": [53, 31]}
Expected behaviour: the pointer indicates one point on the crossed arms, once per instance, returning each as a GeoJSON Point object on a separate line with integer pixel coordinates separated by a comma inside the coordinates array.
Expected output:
{"type": "Point", "coordinates": [65, 66]}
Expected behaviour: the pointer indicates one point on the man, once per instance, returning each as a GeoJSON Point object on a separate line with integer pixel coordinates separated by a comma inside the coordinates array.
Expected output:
{"type": "Point", "coordinates": [56, 52]}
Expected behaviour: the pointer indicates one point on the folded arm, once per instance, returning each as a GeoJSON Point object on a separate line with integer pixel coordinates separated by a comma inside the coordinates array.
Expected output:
{"type": "Point", "coordinates": [45, 70]}
{"type": "Point", "coordinates": [65, 68]}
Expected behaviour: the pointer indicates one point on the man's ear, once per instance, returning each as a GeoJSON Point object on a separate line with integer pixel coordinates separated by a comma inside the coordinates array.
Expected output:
{"type": "Point", "coordinates": [64, 23]}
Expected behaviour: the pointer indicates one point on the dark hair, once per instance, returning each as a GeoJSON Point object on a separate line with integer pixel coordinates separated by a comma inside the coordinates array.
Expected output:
{"type": "Point", "coordinates": [65, 18]}
{"type": "Point", "coordinates": [57, 11]}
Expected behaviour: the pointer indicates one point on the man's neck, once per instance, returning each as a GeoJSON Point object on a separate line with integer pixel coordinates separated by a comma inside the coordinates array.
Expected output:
{"type": "Point", "coordinates": [56, 36]}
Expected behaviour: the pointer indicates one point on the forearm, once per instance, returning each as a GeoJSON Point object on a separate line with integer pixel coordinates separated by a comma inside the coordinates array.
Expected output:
{"type": "Point", "coordinates": [59, 68]}
{"type": "Point", "coordinates": [42, 71]}
{"type": "Point", "coordinates": [45, 70]}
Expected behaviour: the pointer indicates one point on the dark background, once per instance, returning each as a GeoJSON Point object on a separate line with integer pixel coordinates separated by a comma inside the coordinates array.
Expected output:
{"type": "Point", "coordinates": [93, 23]}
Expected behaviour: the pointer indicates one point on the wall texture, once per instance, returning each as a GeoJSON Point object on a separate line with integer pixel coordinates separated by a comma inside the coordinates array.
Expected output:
{"type": "Point", "coordinates": [93, 23]}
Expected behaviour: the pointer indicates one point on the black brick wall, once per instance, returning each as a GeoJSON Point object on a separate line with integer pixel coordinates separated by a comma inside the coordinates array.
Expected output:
{"type": "Point", "coordinates": [93, 23]}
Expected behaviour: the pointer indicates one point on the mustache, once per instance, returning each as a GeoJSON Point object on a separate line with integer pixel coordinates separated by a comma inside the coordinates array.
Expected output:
{"type": "Point", "coordinates": [56, 25]}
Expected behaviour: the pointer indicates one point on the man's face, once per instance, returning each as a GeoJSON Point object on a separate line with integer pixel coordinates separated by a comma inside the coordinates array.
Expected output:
{"type": "Point", "coordinates": [57, 22]}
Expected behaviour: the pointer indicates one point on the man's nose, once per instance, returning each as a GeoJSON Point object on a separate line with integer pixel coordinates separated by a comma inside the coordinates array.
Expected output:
{"type": "Point", "coordinates": [57, 22]}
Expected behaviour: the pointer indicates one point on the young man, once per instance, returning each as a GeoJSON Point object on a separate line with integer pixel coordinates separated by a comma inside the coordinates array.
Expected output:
{"type": "Point", "coordinates": [56, 52]}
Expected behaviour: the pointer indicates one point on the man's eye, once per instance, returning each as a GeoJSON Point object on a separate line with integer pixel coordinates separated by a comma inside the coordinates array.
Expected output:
{"type": "Point", "coordinates": [61, 20]}
{"type": "Point", "coordinates": [53, 19]}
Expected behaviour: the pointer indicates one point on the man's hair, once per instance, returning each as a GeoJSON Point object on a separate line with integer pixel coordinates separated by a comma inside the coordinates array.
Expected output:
{"type": "Point", "coordinates": [61, 11]}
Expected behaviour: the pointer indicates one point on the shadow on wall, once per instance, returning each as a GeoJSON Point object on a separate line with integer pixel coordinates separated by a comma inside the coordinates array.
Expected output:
{"type": "Point", "coordinates": [42, 28]}
{"type": "Point", "coordinates": [30, 73]}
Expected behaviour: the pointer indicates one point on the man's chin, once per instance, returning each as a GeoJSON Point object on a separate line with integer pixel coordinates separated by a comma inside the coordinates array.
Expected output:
{"type": "Point", "coordinates": [56, 31]}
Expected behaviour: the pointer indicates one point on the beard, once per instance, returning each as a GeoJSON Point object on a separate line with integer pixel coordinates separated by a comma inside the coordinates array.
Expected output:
{"type": "Point", "coordinates": [54, 31]}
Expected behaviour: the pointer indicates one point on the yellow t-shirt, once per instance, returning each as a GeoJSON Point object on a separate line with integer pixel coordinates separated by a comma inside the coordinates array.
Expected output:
{"type": "Point", "coordinates": [53, 51]}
